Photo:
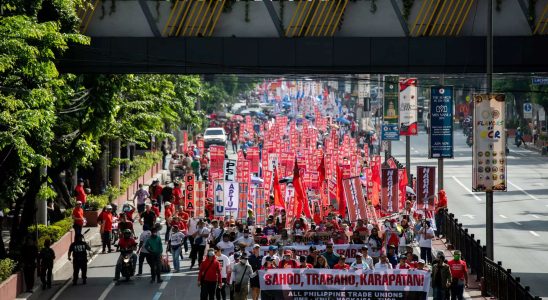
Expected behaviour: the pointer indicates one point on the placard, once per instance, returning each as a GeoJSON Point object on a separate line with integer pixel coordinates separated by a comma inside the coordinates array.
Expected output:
{"type": "Point", "coordinates": [426, 182]}
{"type": "Point", "coordinates": [218, 198]}
{"type": "Point", "coordinates": [199, 198]}
{"type": "Point", "coordinates": [390, 188]}
{"type": "Point", "coordinates": [231, 194]}
{"type": "Point", "coordinates": [441, 122]}
{"type": "Point", "coordinates": [230, 170]}
{"type": "Point", "coordinates": [260, 207]}
{"type": "Point", "coordinates": [217, 157]}
{"type": "Point", "coordinates": [489, 149]}
{"type": "Point", "coordinates": [189, 192]}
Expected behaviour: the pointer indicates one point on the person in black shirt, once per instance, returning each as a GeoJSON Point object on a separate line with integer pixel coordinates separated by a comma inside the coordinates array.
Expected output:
{"type": "Point", "coordinates": [29, 253]}
{"type": "Point", "coordinates": [47, 258]}
{"type": "Point", "coordinates": [148, 217]}
{"type": "Point", "coordinates": [255, 260]}
{"type": "Point", "coordinates": [79, 249]}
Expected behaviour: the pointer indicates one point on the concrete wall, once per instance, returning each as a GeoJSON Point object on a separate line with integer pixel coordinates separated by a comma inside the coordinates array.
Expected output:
{"type": "Point", "coordinates": [127, 20]}
{"type": "Point", "coordinates": [233, 23]}
{"type": "Point", "coordinates": [360, 21]}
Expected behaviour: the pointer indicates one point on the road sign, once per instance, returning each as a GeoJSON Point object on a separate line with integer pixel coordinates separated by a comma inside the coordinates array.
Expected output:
{"type": "Point", "coordinates": [390, 132]}
{"type": "Point", "coordinates": [527, 110]}
{"type": "Point", "coordinates": [441, 122]}
{"type": "Point", "coordinates": [540, 80]}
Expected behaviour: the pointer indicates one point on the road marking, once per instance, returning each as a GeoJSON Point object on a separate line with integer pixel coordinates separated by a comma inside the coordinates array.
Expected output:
{"type": "Point", "coordinates": [534, 233]}
{"type": "Point", "coordinates": [106, 291]}
{"type": "Point", "coordinates": [503, 216]}
{"type": "Point", "coordinates": [535, 216]}
{"type": "Point", "coordinates": [523, 191]}
{"type": "Point", "coordinates": [68, 283]}
{"type": "Point", "coordinates": [466, 189]}
{"type": "Point", "coordinates": [157, 296]}
{"type": "Point", "coordinates": [517, 223]}
{"type": "Point", "coordinates": [469, 216]}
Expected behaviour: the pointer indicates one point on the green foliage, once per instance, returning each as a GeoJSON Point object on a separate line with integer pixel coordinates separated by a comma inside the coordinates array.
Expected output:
{"type": "Point", "coordinates": [224, 90]}
{"type": "Point", "coordinates": [407, 5]}
{"type": "Point", "coordinates": [6, 268]}
{"type": "Point", "coordinates": [52, 232]}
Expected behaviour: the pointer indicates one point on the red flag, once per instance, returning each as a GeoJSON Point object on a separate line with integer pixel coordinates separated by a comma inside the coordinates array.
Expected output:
{"type": "Point", "coordinates": [278, 200]}
{"type": "Point", "coordinates": [340, 193]}
{"type": "Point", "coordinates": [321, 169]}
{"type": "Point", "coordinates": [300, 195]}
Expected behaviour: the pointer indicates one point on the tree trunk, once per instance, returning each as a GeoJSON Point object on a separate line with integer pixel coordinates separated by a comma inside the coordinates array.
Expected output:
{"type": "Point", "coordinates": [100, 167]}
{"type": "Point", "coordinates": [61, 189]}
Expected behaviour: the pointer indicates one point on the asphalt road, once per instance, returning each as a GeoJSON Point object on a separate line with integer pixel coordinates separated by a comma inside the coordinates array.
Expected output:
{"type": "Point", "coordinates": [520, 214]}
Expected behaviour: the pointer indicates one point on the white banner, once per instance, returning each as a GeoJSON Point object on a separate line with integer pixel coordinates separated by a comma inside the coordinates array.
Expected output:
{"type": "Point", "coordinates": [293, 284]}
{"type": "Point", "coordinates": [273, 161]}
{"type": "Point", "coordinates": [408, 106]}
{"type": "Point", "coordinates": [219, 200]}
{"type": "Point", "coordinates": [231, 195]}
{"type": "Point", "coordinates": [489, 150]}
{"type": "Point", "coordinates": [229, 168]}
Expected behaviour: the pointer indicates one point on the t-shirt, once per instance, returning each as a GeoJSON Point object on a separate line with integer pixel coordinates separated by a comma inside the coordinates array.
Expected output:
{"type": "Point", "coordinates": [107, 219]}
{"type": "Point", "coordinates": [331, 259]}
{"type": "Point", "coordinates": [288, 264]}
{"type": "Point", "coordinates": [458, 268]}
{"type": "Point", "coordinates": [374, 247]}
{"type": "Point", "coordinates": [247, 241]}
{"type": "Point", "coordinates": [383, 266]}
{"type": "Point", "coordinates": [203, 231]}
{"type": "Point", "coordinates": [341, 267]}
{"type": "Point", "coordinates": [141, 195]}
{"type": "Point", "coordinates": [79, 251]}
{"type": "Point", "coordinates": [225, 264]}
{"type": "Point", "coordinates": [80, 194]}
{"type": "Point", "coordinates": [78, 213]}
{"type": "Point", "coordinates": [177, 196]}
{"type": "Point", "coordinates": [176, 239]}
{"type": "Point", "coordinates": [226, 247]}
{"type": "Point", "coordinates": [148, 218]}
{"type": "Point", "coordinates": [124, 243]}
{"type": "Point", "coordinates": [426, 242]}
{"type": "Point", "coordinates": [143, 239]}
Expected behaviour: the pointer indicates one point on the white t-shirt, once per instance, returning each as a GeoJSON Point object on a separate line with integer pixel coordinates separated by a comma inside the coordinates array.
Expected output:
{"type": "Point", "coordinates": [176, 238]}
{"type": "Point", "coordinates": [192, 226]}
{"type": "Point", "coordinates": [225, 264]}
{"type": "Point", "coordinates": [381, 266]}
{"type": "Point", "coordinates": [426, 242]}
{"type": "Point", "coordinates": [227, 248]}
{"type": "Point", "coordinates": [374, 248]}
{"type": "Point", "coordinates": [215, 232]}
{"type": "Point", "coordinates": [247, 241]}
{"type": "Point", "coordinates": [275, 257]}
{"type": "Point", "coordinates": [143, 239]}
{"type": "Point", "coordinates": [202, 232]}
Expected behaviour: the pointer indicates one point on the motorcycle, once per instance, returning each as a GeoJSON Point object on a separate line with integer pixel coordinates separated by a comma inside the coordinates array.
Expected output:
{"type": "Point", "coordinates": [127, 270]}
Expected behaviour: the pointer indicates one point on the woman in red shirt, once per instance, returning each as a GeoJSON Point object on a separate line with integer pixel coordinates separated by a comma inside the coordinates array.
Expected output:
{"type": "Point", "coordinates": [341, 265]}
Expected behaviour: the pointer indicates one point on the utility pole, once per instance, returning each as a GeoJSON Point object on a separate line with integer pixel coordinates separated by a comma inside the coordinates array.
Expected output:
{"type": "Point", "coordinates": [489, 73]}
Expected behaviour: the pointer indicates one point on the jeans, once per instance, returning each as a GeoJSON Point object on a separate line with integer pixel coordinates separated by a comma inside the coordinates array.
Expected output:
{"type": "Point", "coordinates": [78, 265]}
{"type": "Point", "coordinates": [175, 253]}
{"type": "Point", "coordinates": [119, 264]}
{"type": "Point", "coordinates": [105, 236]}
{"type": "Point", "coordinates": [207, 290]}
{"type": "Point", "coordinates": [154, 260]}
{"type": "Point", "coordinates": [426, 254]}
{"type": "Point", "coordinates": [438, 293]}
{"type": "Point", "coordinates": [457, 289]}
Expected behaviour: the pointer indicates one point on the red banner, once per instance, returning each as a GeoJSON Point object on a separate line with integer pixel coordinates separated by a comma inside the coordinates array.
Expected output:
{"type": "Point", "coordinates": [253, 157]}
{"type": "Point", "coordinates": [217, 156]}
{"type": "Point", "coordinates": [242, 204]}
{"type": "Point", "coordinates": [354, 199]}
{"type": "Point", "coordinates": [185, 142]}
{"type": "Point", "coordinates": [260, 208]}
{"type": "Point", "coordinates": [243, 171]}
{"type": "Point", "coordinates": [200, 144]}
{"type": "Point", "coordinates": [189, 192]}
{"type": "Point", "coordinates": [199, 198]}
{"type": "Point", "coordinates": [390, 201]}
{"type": "Point", "coordinates": [426, 180]}
{"type": "Point", "coordinates": [267, 184]}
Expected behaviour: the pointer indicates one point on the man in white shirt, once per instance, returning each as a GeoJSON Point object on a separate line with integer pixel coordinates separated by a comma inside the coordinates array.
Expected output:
{"type": "Point", "coordinates": [271, 253]}
{"type": "Point", "coordinates": [426, 234]}
{"type": "Point", "coordinates": [366, 258]}
{"type": "Point", "coordinates": [359, 264]}
{"type": "Point", "coordinates": [192, 226]}
{"type": "Point", "coordinates": [216, 232]}
{"type": "Point", "coordinates": [245, 241]}
{"type": "Point", "coordinates": [383, 264]}
{"type": "Point", "coordinates": [226, 246]}
{"type": "Point", "coordinates": [199, 245]}
{"type": "Point", "coordinates": [175, 242]}
{"type": "Point", "coordinates": [225, 271]}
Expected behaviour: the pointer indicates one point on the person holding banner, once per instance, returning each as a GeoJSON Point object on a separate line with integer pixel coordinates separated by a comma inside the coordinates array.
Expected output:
{"type": "Point", "coordinates": [331, 257]}
{"type": "Point", "coordinates": [366, 258]}
{"type": "Point", "coordinates": [426, 234]}
{"type": "Point", "coordinates": [321, 263]}
{"type": "Point", "coordinates": [359, 264]}
{"type": "Point", "coordinates": [341, 265]}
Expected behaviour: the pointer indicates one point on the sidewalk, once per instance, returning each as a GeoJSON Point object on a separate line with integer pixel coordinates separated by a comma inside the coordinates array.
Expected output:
{"type": "Point", "coordinates": [474, 290]}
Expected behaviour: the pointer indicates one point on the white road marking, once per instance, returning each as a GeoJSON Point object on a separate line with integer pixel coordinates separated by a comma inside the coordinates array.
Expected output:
{"type": "Point", "coordinates": [106, 291]}
{"type": "Point", "coordinates": [535, 216]}
{"type": "Point", "coordinates": [517, 223]}
{"type": "Point", "coordinates": [68, 283]}
{"type": "Point", "coordinates": [503, 216]}
{"type": "Point", "coordinates": [466, 189]}
{"type": "Point", "coordinates": [534, 233]}
{"type": "Point", "coordinates": [469, 216]}
{"type": "Point", "coordinates": [523, 191]}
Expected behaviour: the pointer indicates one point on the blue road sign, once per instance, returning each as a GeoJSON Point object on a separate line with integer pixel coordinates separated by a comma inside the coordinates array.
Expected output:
{"type": "Point", "coordinates": [441, 122]}
{"type": "Point", "coordinates": [390, 132]}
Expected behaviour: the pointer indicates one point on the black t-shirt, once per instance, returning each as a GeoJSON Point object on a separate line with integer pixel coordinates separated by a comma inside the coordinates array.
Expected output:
{"type": "Point", "coordinates": [255, 262]}
{"type": "Point", "coordinates": [148, 218]}
{"type": "Point", "coordinates": [78, 250]}
{"type": "Point", "coordinates": [167, 194]}
{"type": "Point", "coordinates": [437, 279]}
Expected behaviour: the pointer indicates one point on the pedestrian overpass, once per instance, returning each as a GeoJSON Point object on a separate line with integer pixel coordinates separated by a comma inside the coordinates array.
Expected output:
{"type": "Point", "coordinates": [309, 36]}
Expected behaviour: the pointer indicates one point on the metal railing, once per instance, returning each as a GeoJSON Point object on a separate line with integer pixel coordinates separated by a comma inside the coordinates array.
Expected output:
{"type": "Point", "coordinates": [497, 281]}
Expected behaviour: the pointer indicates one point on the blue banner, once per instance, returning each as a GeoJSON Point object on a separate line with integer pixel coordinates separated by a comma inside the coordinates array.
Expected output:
{"type": "Point", "coordinates": [441, 122]}
{"type": "Point", "coordinates": [390, 132]}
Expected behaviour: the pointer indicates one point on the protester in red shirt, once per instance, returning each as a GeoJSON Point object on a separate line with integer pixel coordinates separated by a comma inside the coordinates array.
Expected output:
{"type": "Point", "coordinates": [287, 262]}
{"type": "Point", "coordinates": [127, 246]}
{"type": "Point", "coordinates": [156, 190]}
{"type": "Point", "coordinates": [303, 264]}
{"type": "Point", "coordinates": [209, 276]}
{"type": "Point", "coordinates": [361, 229]}
{"type": "Point", "coordinates": [105, 218]}
{"type": "Point", "coordinates": [459, 275]}
{"type": "Point", "coordinates": [79, 192]}
{"type": "Point", "coordinates": [177, 195]}
{"type": "Point", "coordinates": [78, 217]}
{"type": "Point", "coordinates": [341, 265]}
{"type": "Point", "coordinates": [403, 265]}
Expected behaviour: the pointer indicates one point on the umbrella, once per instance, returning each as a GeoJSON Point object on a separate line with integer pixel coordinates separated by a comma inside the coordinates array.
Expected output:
{"type": "Point", "coordinates": [342, 120]}
{"type": "Point", "coordinates": [256, 180]}
{"type": "Point", "coordinates": [409, 190]}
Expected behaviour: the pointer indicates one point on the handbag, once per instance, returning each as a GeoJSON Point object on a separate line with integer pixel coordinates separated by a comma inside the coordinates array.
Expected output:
{"type": "Point", "coordinates": [238, 286]}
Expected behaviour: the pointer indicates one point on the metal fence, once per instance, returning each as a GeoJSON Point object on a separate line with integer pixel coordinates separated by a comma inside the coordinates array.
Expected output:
{"type": "Point", "coordinates": [497, 281]}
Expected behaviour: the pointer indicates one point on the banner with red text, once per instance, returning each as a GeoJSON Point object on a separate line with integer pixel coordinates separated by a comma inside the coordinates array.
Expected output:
{"type": "Point", "coordinates": [390, 188]}
{"type": "Point", "coordinates": [189, 192]}
{"type": "Point", "coordinates": [326, 284]}
{"type": "Point", "coordinates": [217, 156]}
{"type": "Point", "coordinates": [199, 199]}
{"type": "Point", "coordinates": [426, 181]}
{"type": "Point", "coordinates": [354, 198]}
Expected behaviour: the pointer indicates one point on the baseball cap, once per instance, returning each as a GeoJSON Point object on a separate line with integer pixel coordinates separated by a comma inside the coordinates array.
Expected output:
{"type": "Point", "coordinates": [269, 258]}
{"type": "Point", "coordinates": [421, 261]}
{"type": "Point", "coordinates": [237, 255]}
{"type": "Point", "coordinates": [273, 248]}
{"type": "Point", "coordinates": [256, 246]}
{"type": "Point", "coordinates": [358, 254]}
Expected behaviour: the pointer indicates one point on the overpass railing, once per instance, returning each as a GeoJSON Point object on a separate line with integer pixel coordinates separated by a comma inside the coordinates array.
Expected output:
{"type": "Point", "coordinates": [497, 281]}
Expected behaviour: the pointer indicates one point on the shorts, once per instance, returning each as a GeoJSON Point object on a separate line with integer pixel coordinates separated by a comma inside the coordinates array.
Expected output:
{"type": "Point", "coordinates": [254, 282]}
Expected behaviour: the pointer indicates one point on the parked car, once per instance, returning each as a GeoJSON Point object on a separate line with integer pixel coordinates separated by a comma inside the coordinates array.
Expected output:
{"type": "Point", "coordinates": [215, 136]}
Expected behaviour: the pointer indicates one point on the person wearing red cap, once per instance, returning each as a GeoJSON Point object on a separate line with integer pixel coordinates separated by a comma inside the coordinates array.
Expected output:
{"type": "Point", "coordinates": [287, 262]}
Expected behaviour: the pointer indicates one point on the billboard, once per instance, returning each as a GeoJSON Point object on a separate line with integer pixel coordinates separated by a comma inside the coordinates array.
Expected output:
{"type": "Point", "coordinates": [441, 122]}
{"type": "Point", "coordinates": [408, 106]}
{"type": "Point", "coordinates": [391, 95]}
{"type": "Point", "coordinates": [489, 149]}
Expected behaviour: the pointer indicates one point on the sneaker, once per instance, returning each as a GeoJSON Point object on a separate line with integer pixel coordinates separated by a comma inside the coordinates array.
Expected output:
{"type": "Point", "coordinates": [103, 252]}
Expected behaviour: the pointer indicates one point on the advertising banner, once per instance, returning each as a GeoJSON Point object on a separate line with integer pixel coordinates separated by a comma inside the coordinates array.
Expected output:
{"type": "Point", "coordinates": [441, 122]}
{"type": "Point", "coordinates": [389, 201]}
{"type": "Point", "coordinates": [217, 156]}
{"type": "Point", "coordinates": [199, 199]}
{"type": "Point", "coordinates": [408, 106]}
{"type": "Point", "coordinates": [489, 149]}
{"type": "Point", "coordinates": [391, 97]}
{"type": "Point", "coordinates": [390, 132]}
{"type": "Point", "coordinates": [327, 284]}
{"type": "Point", "coordinates": [231, 194]}
{"type": "Point", "coordinates": [218, 199]}
{"type": "Point", "coordinates": [229, 170]}
{"type": "Point", "coordinates": [355, 201]}
{"type": "Point", "coordinates": [426, 182]}
{"type": "Point", "coordinates": [260, 208]}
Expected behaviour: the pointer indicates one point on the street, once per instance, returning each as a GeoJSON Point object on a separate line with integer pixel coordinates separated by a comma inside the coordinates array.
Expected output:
{"type": "Point", "coordinates": [520, 214]}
